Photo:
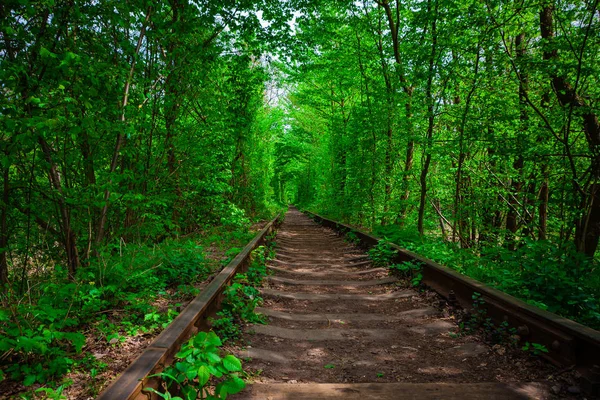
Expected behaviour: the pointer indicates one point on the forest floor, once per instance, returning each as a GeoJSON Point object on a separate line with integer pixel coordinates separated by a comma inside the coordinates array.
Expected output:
{"type": "Point", "coordinates": [334, 319]}
{"type": "Point", "coordinates": [109, 356]}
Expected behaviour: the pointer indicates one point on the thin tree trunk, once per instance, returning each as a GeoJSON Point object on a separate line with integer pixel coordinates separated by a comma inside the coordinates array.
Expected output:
{"type": "Point", "coordinates": [4, 224]}
{"type": "Point", "coordinates": [512, 222]}
{"type": "Point", "coordinates": [373, 177]}
{"type": "Point", "coordinates": [543, 205]}
{"type": "Point", "coordinates": [394, 26]}
{"type": "Point", "coordinates": [408, 164]}
{"type": "Point", "coordinates": [430, 118]}
{"type": "Point", "coordinates": [460, 220]}
{"type": "Point", "coordinates": [69, 239]}
{"type": "Point", "coordinates": [173, 103]}
{"type": "Point", "coordinates": [389, 132]}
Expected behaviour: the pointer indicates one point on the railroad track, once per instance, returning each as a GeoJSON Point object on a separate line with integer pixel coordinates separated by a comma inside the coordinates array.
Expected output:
{"type": "Point", "coordinates": [341, 329]}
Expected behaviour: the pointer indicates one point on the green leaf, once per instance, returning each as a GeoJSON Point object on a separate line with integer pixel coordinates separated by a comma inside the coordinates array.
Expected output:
{"type": "Point", "coordinates": [45, 53]}
{"type": "Point", "coordinates": [189, 392]}
{"type": "Point", "coordinates": [214, 371]}
{"type": "Point", "coordinates": [232, 363]}
{"type": "Point", "coordinates": [213, 358]}
{"type": "Point", "coordinates": [200, 339]}
{"type": "Point", "coordinates": [213, 339]}
{"type": "Point", "coordinates": [235, 385]}
{"type": "Point", "coordinates": [221, 390]}
{"type": "Point", "coordinates": [29, 344]}
{"type": "Point", "coordinates": [184, 353]}
{"type": "Point", "coordinates": [6, 344]}
{"type": "Point", "coordinates": [29, 380]}
{"type": "Point", "coordinates": [77, 339]}
{"type": "Point", "coordinates": [162, 395]}
{"type": "Point", "coordinates": [203, 375]}
{"type": "Point", "coordinates": [191, 373]}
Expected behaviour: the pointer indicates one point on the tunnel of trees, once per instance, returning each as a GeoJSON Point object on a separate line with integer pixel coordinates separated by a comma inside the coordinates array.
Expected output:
{"type": "Point", "coordinates": [466, 131]}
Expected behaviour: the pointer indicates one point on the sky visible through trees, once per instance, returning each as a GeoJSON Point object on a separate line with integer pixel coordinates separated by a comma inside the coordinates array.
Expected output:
{"type": "Point", "coordinates": [465, 130]}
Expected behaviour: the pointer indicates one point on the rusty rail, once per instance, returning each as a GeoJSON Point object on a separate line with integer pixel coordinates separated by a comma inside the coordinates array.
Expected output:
{"type": "Point", "coordinates": [569, 343]}
{"type": "Point", "coordinates": [191, 320]}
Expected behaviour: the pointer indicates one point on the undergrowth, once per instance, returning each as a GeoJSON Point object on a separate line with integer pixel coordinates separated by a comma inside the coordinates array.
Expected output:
{"type": "Point", "coordinates": [383, 254]}
{"type": "Point", "coordinates": [201, 371]}
{"type": "Point", "coordinates": [478, 321]}
{"type": "Point", "coordinates": [242, 297]}
{"type": "Point", "coordinates": [555, 278]}
{"type": "Point", "coordinates": [111, 299]}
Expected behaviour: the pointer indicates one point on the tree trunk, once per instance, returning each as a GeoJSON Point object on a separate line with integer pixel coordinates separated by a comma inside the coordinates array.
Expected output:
{"type": "Point", "coordinates": [394, 26]}
{"type": "Point", "coordinates": [4, 225]}
{"type": "Point", "coordinates": [512, 217]}
{"type": "Point", "coordinates": [373, 174]}
{"type": "Point", "coordinates": [512, 221]}
{"type": "Point", "coordinates": [461, 225]}
{"type": "Point", "coordinates": [69, 239]}
{"type": "Point", "coordinates": [430, 118]}
{"type": "Point", "coordinates": [408, 164]}
{"type": "Point", "coordinates": [543, 205]}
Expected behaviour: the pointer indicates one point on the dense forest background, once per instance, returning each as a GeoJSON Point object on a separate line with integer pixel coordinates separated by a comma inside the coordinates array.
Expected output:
{"type": "Point", "coordinates": [136, 148]}
{"type": "Point", "coordinates": [467, 131]}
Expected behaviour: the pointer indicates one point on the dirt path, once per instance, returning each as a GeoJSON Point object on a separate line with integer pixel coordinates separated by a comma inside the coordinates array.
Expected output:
{"type": "Point", "coordinates": [340, 328]}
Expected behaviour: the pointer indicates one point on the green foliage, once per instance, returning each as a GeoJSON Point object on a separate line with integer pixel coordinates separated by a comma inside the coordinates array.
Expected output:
{"type": "Point", "coordinates": [241, 298]}
{"type": "Point", "coordinates": [409, 270]}
{"type": "Point", "coordinates": [535, 348]}
{"type": "Point", "coordinates": [155, 320]}
{"type": "Point", "coordinates": [41, 333]}
{"type": "Point", "coordinates": [351, 237]}
{"type": "Point", "coordinates": [478, 321]}
{"type": "Point", "coordinates": [257, 270]}
{"type": "Point", "coordinates": [200, 370]}
{"type": "Point", "coordinates": [53, 393]}
{"type": "Point", "coordinates": [45, 350]}
{"type": "Point", "coordinates": [382, 254]}
{"type": "Point", "coordinates": [270, 242]}
{"type": "Point", "coordinates": [227, 326]}
{"type": "Point", "coordinates": [445, 139]}
{"type": "Point", "coordinates": [186, 265]}
{"type": "Point", "coordinates": [555, 278]}
{"type": "Point", "coordinates": [114, 146]}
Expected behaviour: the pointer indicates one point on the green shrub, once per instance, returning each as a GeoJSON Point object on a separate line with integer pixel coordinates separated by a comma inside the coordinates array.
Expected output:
{"type": "Point", "coordinates": [409, 270]}
{"type": "Point", "coordinates": [553, 277]}
{"type": "Point", "coordinates": [382, 254]}
{"type": "Point", "coordinates": [186, 265]}
{"type": "Point", "coordinates": [241, 298]}
{"type": "Point", "coordinates": [200, 370]}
